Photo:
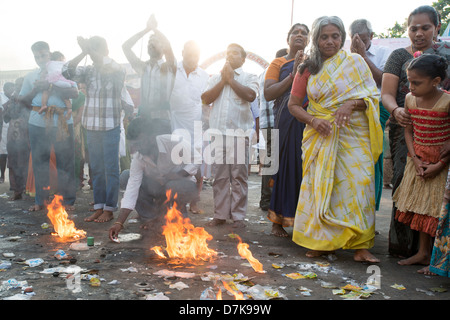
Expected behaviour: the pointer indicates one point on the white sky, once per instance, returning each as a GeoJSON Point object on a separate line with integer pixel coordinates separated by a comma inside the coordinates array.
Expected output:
{"type": "Point", "coordinates": [260, 26]}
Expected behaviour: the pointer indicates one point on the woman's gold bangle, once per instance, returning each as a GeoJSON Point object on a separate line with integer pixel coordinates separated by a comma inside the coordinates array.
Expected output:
{"type": "Point", "coordinates": [119, 223]}
{"type": "Point", "coordinates": [312, 120]}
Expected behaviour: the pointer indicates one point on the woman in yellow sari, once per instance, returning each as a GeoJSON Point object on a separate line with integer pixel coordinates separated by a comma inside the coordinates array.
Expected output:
{"type": "Point", "coordinates": [342, 139]}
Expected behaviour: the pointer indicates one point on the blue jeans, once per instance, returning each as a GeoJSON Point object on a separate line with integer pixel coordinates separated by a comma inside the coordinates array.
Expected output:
{"type": "Point", "coordinates": [41, 141]}
{"type": "Point", "coordinates": [103, 148]}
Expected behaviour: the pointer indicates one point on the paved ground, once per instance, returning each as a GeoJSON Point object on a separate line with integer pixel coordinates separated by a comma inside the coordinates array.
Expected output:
{"type": "Point", "coordinates": [130, 270]}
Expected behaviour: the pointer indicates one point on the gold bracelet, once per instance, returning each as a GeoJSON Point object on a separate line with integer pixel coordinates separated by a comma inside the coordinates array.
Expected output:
{"type": "Point", "coordinates": [117, 222]}
{"type": "Point", "coordinates": [312, 120]}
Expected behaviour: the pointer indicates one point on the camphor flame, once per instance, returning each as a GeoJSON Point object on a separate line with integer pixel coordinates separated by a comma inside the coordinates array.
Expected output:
{"type": "Point", "coordinates": [63, 226]}
{"type": "Point", "coordinates": [244, 252]}
{"type": "Point", "coordinates": [184, 242]}
{"type": "Point", "coordinates": [237, 295]}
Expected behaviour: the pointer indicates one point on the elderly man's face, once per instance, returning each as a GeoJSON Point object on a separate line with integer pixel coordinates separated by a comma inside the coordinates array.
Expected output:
{"type": "Point", "coordinates": [366, 38]}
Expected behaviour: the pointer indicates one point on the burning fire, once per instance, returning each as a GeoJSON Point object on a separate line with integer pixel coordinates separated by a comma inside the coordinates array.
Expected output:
{"type": "Point", "coordinates": [244, 252]}
{"type": "Point", "coordinates": [237, 295]}
{"type": "Point", "coordinates": [64, 228]}
{"type": "Point", "coordinates": [184, 241]}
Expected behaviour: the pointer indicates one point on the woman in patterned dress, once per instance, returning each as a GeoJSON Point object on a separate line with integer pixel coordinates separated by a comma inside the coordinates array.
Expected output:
{"type": "Point", "coordinates": [342, 140]}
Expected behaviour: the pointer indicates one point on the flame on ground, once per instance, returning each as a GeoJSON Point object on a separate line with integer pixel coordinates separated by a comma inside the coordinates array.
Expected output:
{"type": "Point", "coordinates": [244, 252]}
{"type": "Point", "coordinates": [63, 226]}
{"type": "Point", "coordinates": [184, 241]}
{"type": "Point", "coordinates": [237, 295]}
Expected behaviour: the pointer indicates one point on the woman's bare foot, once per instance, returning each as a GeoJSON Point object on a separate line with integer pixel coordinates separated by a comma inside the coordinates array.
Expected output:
{"type": "Point", "coordinates": [363, 255]}
{"type": "Point", "coordinates": [317, 253]}
{"type": "Point", "coordinates": [278, 231]}
{"type": "Point", "coordinates": [426, 271]}
{"type": "Point", "coordinates": [418, 258]}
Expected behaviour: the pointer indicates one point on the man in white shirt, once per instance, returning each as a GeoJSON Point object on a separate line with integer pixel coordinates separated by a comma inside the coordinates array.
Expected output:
{"type": "Point", "coordinates": [375, 57]}
{"type": "Point", "coordinates": [231, 93]}
{"type": "Point", "coordinates": [156, 167]}
{"type": "Point", "coordinates": [186, 104]}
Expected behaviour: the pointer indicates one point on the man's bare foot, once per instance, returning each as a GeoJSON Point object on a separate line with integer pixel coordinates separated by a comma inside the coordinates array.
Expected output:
{"type": "Point", "coordinates": [278, 231]}
{"type": "Point", "coordinates": [238, 224]}
{"type": "Point", "coordinates": [105, 216]}
{"type": "Point", "coordinates": [416, 259]}
{"type": "Point", "coordinates": [317, 253]}
{"type": "Point", "coordinates": [215, 222]}
{"type": "Point", "coordinates": [69, 207]}
{"type": "Point", "coordinates": [363, 255]}
{"type": "Point", "coordinates": [97, 213]}
{"type": "Point", "coordinates": [426, 271]}
{"type": "Point", "coordinates": [15, 196]}
{"type": "Point", "coordinates": [193, 207]}
{"type": "Point", "coordinates": [35, 207]}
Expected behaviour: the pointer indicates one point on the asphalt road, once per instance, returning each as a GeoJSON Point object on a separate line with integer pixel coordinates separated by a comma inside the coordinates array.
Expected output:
{"type": "Point", "coordinates": [129, 270]}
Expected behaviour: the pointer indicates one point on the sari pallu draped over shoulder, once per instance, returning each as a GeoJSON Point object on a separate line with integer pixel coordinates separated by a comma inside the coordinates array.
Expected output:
{"type": "Point", "coordinates": [336, 207]}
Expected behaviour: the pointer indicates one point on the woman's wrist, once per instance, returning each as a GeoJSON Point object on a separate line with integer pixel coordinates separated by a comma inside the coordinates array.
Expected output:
{"type": "Point", "coordinates": [393, 111]}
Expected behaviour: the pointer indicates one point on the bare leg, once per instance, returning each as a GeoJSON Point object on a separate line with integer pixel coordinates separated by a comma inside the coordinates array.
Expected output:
{"type": "Point", "coordinates": [278, 231]}
{"type": "Point", "coordinates": [423, 256]}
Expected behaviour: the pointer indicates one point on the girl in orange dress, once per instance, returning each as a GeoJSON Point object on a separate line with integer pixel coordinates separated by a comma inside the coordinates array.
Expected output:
{"type": "Point", "coordinates": [419, 197]}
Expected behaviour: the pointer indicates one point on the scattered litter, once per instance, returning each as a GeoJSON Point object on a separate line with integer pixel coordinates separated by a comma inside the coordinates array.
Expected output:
{"type": "Point", "coordinates": [114, 282]}
{"type": "Point", "coordinates": [398, 287]}
{"type": "Point", "coordinates": [300, 275]}
{"type": "Point", "coordinates": [79, 246]}
{"type": "Point", "coordinates": [278, 266]}
{"type": "Point", "coordinates": [328, 285]}
{"type": "Point", "coordinates": [167, 273]}
{"type": "Point", "coordinates": [428, 293]}
{"type": "Point", "coordinates": [351, 287]}
{"type": "Point", "coordinates": [157, 296]}
{"type": "Point", "coordinates": [130, 269]}
{"type": "Point", "coordinates": [18, 296]}
{"type": "Point", "coordinates": [94, 282]}
{"type": "Point", "coordinates": [339, 291]}
{"type": "Point", "coordinates": [34, 262]}
{"type": "Point", "coordinates": [259, 292]}
{"type": "Point", "coordinates": [208, 294]}
{"type": "Point", "coordinates": [127, 237]}
{"type": "Point", "coordinates": [61, 255]}
{"type": "Point", "coordinates": [439, 289]}
{"type": "Point", "coordinates": [179, 286]}
{"type": "Point", "coordinates": [8, 255]}
{"type": "Point", "coordinates": [305, 291]}
{"type": "Point", "coordinates": [4, 265]}
{"type": "Point", "coordinates": [44, 225]}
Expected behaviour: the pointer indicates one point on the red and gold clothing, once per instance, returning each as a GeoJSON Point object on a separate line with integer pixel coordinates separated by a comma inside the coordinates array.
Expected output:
{"type": "Point", "coordinates": [418, 200]}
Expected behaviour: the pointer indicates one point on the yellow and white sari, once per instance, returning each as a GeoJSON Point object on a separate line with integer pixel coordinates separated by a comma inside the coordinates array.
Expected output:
{"type": "Point", "coordinates": [336, 207]}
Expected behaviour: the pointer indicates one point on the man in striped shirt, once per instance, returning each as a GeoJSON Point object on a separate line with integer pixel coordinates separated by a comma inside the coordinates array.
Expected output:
{"type": "Point", "coordinates": [157, 74]}
{"type": "Point", "coordinates": [104, 81]}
